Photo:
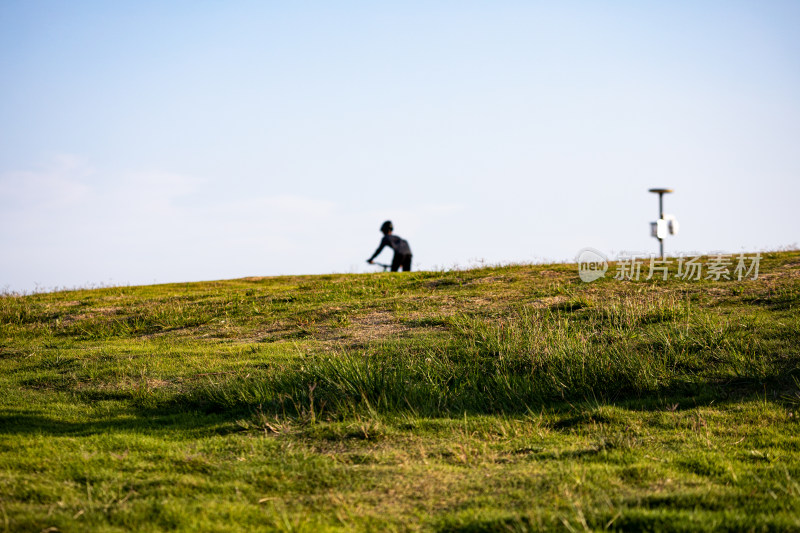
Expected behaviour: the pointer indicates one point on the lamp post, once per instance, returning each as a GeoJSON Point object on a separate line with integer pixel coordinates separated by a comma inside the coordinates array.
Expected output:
{"type": "Point", "coordinates": [664, 224]}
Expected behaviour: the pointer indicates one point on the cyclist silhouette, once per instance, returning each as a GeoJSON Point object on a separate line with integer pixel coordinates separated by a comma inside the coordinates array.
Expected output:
{"type": "Point", "coordinates": [402, 251]}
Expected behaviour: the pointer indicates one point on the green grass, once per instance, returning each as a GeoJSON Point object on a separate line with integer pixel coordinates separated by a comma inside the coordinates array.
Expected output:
{"type": "Point", "coordinates": [497, 399]}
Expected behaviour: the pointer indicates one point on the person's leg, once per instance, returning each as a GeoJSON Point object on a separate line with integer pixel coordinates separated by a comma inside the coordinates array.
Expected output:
{"type": "Point", "coordinates": [397, 260]}
{"type": "Point", "coordinates": [407, 263]}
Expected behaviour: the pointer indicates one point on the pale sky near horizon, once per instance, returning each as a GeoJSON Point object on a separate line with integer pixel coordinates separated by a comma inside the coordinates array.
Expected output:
{"type": "Point", "coordinates": [148, 141]}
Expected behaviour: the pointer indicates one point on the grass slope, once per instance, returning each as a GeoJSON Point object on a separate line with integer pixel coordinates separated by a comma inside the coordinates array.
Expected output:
{"type": "Point", "coordinates": [497, 399]}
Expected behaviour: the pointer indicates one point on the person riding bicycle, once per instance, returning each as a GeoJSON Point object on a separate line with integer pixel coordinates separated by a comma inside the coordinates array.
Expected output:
{"type": "Point", "coordinates": [402, 251]}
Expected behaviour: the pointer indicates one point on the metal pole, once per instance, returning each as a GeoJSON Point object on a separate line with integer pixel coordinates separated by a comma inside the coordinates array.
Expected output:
{"type": "Point", "coordinates": [660, 216]}
{"type": "Point", "coordinates": [661, 193]}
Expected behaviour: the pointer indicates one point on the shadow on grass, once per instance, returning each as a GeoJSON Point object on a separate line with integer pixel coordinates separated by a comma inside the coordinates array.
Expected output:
{"type": "Point", "coordinates": [190, 416]}
{"type": "Point", "coordinates": [185, 424]}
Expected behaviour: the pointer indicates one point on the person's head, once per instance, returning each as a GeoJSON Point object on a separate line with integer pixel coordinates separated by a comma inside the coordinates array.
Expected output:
{"type": "Point", "coordinates": [386, 227]}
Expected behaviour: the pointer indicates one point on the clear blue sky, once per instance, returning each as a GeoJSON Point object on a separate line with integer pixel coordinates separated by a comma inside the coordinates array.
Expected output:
{"type": "Point", "coordinates": [147, 142]}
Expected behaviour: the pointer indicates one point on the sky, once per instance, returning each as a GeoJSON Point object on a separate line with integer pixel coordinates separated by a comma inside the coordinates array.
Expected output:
{"type": "Point", "coordinates": [151, 142]}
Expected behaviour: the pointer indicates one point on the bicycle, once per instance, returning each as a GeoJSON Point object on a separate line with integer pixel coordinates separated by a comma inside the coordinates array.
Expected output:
{"type": "Point", "coordinates": [384, 265]}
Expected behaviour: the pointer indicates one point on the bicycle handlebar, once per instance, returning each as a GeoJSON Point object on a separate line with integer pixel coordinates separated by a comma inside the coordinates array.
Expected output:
{"type": "Point", "coordinates": [384, 265]}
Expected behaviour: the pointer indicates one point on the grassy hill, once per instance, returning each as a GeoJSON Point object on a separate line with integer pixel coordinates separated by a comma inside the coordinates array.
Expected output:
{"type": "Point", "coordinates": [513, 399]}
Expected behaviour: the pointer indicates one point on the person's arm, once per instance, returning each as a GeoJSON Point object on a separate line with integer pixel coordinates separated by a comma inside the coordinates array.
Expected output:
{"type": "Point", "coordinates": [383, 243]}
